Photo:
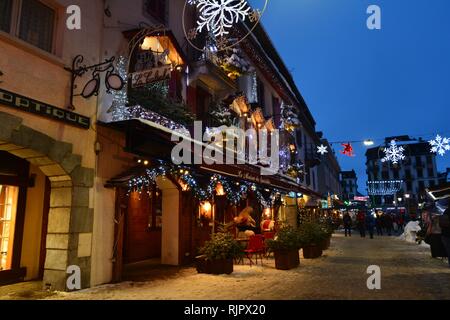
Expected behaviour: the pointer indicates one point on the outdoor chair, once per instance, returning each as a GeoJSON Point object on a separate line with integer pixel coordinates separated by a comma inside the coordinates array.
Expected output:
{"type": "Point", "coordinates": [255, 248]}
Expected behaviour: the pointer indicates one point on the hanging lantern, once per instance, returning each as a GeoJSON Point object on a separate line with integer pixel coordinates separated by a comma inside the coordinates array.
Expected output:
{"type": "Point", "coordinates": [220, 190]}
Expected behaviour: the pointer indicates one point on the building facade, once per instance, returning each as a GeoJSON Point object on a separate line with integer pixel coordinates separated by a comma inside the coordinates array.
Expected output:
{"type": "Point", "coordinates": [86, 171]}
{"type": "Point", "coordinates": [349, 183]}
{"type": "Point", "coordinates": [329, 173]}
{"type": "Point", "coordinates": [416, 173]}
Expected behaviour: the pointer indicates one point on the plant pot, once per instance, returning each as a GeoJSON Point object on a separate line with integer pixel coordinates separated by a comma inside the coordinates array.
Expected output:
{"type": "Point", "coordinates": [224, 266]}
{"type": "Point", "coordinates": [325, 244]}
{"type": "Point", "coordinates": [312, 252]}
{"type": "Point", "coordinates": [286, 259]}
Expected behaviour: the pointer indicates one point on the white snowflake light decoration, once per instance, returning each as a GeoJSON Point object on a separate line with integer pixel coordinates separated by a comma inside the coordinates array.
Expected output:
{"type": "Point", "coordinates": [218, 16]}
{"type": "Point", "coordinates": [394, 153]}
{"type": "Point", "coordinates": [440, 145]}
{"type": "Point", "coordinates": [322, 149]}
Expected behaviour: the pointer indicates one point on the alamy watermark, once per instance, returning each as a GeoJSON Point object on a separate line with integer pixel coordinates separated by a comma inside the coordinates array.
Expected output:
{"type": "Point", "coordinates": [374, 280]}
{"type": "Point", "coordinates": [228, 145]}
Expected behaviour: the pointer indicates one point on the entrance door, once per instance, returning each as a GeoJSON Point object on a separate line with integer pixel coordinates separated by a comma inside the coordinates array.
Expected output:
{"type": "Point", "coordinates": [143, 226]}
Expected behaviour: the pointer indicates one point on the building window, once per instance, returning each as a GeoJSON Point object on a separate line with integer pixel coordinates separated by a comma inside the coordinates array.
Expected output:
{"type": "Point", "coordinates": [419, 173]}
{"type": "Point", "coordinates": [432, 183]}
{"type": "Point", "coordinates": [157, 9]}
{"type": "Point", "coordinates": [409, 186]}
{"type": "Point", "coordinates": [35, 22]}
{"type": "Point", "coordinates": [5, 17]}
{"type": "Point", "coordinates": [8, 209]}
{"type": "Point", "coordinates": [385, 175]}
{"type": "Point", "coordinates": [421, 186]}
{"type": "Point", "coordinates": [431, 172]}
{"type": "Point", "coordinates": [408, 174]}
{"type": "Point", "coordinates": [396, 174]}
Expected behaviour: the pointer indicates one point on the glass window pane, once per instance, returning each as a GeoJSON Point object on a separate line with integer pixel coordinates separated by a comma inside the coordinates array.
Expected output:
{"type": "Point", "coordinates": [8, 207]}
{"type": "Point", "coordinates": [5, 16]}
{"type": "Point", "coordinates": [36, 24]}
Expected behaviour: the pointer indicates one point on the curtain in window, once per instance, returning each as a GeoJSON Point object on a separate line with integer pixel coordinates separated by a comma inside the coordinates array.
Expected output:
{"type": "Point", "coordinates": [36, 24]}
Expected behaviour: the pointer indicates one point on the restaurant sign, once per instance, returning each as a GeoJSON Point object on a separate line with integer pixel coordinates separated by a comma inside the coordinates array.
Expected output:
{"type": "Point", "coordinates": [142, 78]}
{"type": "Point", "coordinates": [22, 103]}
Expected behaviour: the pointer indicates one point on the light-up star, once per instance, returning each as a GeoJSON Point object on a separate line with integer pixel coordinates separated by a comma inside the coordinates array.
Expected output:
{"type": "Point", "coordinates": [322, 149]}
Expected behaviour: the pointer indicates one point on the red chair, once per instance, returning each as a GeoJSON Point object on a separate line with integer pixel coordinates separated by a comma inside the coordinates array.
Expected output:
{"type": "Point", "coordinates": [255, 248]}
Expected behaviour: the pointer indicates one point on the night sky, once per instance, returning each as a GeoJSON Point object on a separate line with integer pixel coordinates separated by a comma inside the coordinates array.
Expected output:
{"type": "Point", "coordinates": [360, 83]}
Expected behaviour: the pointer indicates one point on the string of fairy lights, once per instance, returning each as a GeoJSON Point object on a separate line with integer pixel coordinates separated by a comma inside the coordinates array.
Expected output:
{"type": "Point", "coordinates": [234, 191]}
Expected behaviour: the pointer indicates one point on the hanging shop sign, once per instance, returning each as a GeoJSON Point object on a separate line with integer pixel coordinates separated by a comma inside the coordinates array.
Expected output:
{"type": "Point", "coordinates": [142, 78]}
{"type": "Point", "coordinates": [26, 104]}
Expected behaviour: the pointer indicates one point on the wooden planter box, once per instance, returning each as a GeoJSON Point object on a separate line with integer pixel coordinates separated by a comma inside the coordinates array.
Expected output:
{"type": "Point", "coordinates": [312, 252]}
{"type": "Point", "coordinates": [214, 266]}
{"type": "Point", "coordinates": [286, 260]}
{"type": "Point", "coordinates": [325, 245]}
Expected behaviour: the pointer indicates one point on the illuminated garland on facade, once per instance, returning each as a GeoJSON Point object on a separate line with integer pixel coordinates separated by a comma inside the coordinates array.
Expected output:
{"type": "Point", "coordinates": [235, 192]}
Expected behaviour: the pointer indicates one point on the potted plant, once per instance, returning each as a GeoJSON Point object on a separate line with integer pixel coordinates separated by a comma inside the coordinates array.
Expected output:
{"type": "Point", "coordinates": [328, 230]}
{"type": "Point", "coordinates": [312, 235]}
{"type": "Point", "coordinates": [285, 246]}
{"type": "Point", "coordinates": [218, 254]}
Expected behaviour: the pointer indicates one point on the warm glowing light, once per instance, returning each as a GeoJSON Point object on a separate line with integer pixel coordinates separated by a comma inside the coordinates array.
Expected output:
{"type": "Point", "coordinates": [267, 213]}
{"type": "Point", "coordinates": [184, 186]}
{"type": "Point", "coordinates": [219, 190]}
{"type": "Point", "coordinates": [206, 209]}
{"type": "Point", "coordinates": [146, 162]}
{"type": "Point", "coordinates": [369, 143]}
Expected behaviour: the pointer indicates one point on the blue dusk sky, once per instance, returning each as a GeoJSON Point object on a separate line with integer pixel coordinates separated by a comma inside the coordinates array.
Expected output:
{"type": "Point", "coordinates": [361, 83]}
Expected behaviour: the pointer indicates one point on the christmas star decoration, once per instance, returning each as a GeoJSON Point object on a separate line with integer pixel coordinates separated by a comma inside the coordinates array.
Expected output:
{"type": "Point", "coordinates": [348, 150]}
{"type": "Point", "coordinates": [222, 43]}
{"type": "Point", "coordinates": [440, 145]}
{"type": "Point", "coordinates": [255, 16]}
{"type": "Point", "coordinates": [322, 149]}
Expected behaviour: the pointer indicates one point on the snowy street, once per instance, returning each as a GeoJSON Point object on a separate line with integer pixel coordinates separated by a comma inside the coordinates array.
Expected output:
{"type": "Point", "coordinates": [408, 272]}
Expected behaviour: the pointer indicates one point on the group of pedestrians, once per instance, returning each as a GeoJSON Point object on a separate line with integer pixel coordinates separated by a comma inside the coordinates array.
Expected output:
{"type": "Point", "coordinates": [367, 223]}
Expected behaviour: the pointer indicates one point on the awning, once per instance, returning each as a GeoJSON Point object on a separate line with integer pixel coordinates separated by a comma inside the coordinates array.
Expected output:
{"type": "Point", "coordinates": [150, 140]}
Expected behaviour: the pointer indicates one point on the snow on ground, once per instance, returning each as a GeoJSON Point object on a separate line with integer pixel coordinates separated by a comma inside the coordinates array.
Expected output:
{"type": "Point", "coordinates": [408, 272]}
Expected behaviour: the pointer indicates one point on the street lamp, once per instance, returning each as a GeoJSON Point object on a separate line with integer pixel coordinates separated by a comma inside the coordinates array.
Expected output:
{"type": "Point", "coordinates": [369, 143]}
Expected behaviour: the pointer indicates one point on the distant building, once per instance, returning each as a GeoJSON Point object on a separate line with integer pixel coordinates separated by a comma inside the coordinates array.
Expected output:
{"type": "Point", "coordinates": [444, 177]}
{"type": "Point", "coordinates": [349, 184]}
{"type": "Point", "coordinates": [418, 171]}
{"type": "Point", "coordinates": [328, 173]}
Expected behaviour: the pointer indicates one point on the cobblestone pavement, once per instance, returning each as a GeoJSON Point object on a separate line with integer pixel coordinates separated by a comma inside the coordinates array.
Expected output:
{"type": "Point", "coordinates": [408, 272]}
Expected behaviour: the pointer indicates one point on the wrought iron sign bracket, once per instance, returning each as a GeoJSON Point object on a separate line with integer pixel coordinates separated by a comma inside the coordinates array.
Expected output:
{"type": "Point", "coordinates": [112, 80]}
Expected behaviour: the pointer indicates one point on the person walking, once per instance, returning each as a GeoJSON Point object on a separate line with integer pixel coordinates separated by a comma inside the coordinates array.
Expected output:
{"type": "Point", "coordinates": [388, 224]}
{"type": "Point", "coordinates": [347, 224]}
{"type": "Point", "coordinates": [401, 223]}
{"type": "Point", "coordinates": [379, 224]}
{"type": "Point", "coordinates": [370, 224]}
{"type": "Point", "coordinates": [444, 223]}
{"type": "Point", "coordinates": [361, 221]}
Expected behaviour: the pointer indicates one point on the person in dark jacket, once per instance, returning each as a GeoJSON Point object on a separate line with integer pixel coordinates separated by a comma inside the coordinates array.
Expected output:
{"type": "Point", "coordinates": [370, 224]}
{"type": "Point", "coordinates": [361, 220]}
{"type": "Point", "coordinates": [347, 224]}
{"type": "Point", "coordinates": [446, 236]}
{"type": "Point", "coordinates": [379, 224]}
{"type": "Point", "coordinates": [388, 224]}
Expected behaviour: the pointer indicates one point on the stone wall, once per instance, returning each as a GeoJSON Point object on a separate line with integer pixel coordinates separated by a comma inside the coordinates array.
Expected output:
{"type": "Point", "coordinates": [70, 221]}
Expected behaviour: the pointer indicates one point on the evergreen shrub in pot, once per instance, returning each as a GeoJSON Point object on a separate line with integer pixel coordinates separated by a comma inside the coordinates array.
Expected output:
{"type": "Point", "coordinates": [328, 229]}
{"type": "Point", "coordinates": [286, 246]}
{"type": "Point", "coordinates": [218, 254]}
{"type": "Point", "coordinates": [312, 236]}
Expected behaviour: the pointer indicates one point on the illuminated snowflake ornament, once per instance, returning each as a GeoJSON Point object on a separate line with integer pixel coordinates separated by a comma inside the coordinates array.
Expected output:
{"type": "Point", "coordinates": [440, 145]}
{"type": "Point", "coordinates": [218, 16]}
{"type": "Point", "coordinates": [322, 149]}
{"type": "Point", "coordinates": [394, 153]}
